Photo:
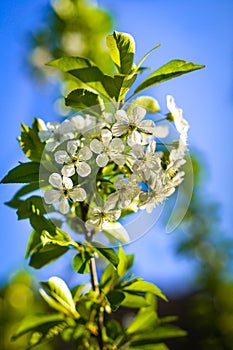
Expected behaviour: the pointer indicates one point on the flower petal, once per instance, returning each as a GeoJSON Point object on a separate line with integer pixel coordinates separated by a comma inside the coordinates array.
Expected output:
{"type": "Point", "coordinates": [96, 211]}
{"type": "Point", "coordinates": [138, 151]}
{"type": "Point", "coordinates": [112, 215]}
{"type": "Point", "coordinates": [116, 230]}
{"type": "Point", "coordinates": [44, 135]}
{"type": "Point", "coordinates": [78, 194]}
{"type": "Point", "coordinates": [61, 157]}
{"type": "Point", "coordinates": [55, 180]}
{"type": "Point", "coordinates": [72, 147]}
{"type": "Point", "coordinates": [51, 145]}
{"type": "Point", "coordinates": [106, 136]}
{"type": "Point", "coordinates": [160, 131]}
{"type": "Point", "coordinates": [83, 169]}
{"type": "Point", "coordinates": [78, 122]}
{"type": "Point", "coordinates": [68, 170]}
{"type": "Point", "coordinates": [67, 182]}
{"type": "Point", "coordinates": [102, 160]}
{"type": "Point", "coordinates": [119, 129]}
{"type": "Point", "coordinates": [138, 114]}
{"type": "Point", "coordinates": [111, 201]}
{"type": "Point", "coordinates": [96, 146]}
{"type": "Point", "coordinates": [122, 117]}
{"type": "Point", "coordinates": [52, 196]}
{"type": "Point", "coordinates": [147, 126]}
{"type": "Point", "coordinates": [117, 145]}
{"type": "Point", "coordinates": [85, 153]}
{"type": "Point", "coordinates": [119, 159]}
{"type": "Point", "coordinates": [63, 206]}
{"type": "Point", "coordinates": [134, 138]}
{"type": "Point", "coordinates": [119, 182]}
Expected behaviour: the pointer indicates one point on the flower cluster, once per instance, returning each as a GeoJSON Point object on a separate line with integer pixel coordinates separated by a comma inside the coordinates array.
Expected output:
{"type": "Point", "coordinates": [113, 163]}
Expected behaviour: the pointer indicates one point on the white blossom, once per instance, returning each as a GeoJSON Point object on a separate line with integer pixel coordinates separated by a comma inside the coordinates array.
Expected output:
{"type": "Point", "coordinates": [108, 149]}
{"type": "Point", "coordinates": [158, 192]}
{"type": "Point", "coordinates": [101, 215]}
{"type": "Point", "coordinates": [147, 161]}
{"type": "Point", "coordinates": [62, 192]}
{"type": "Point", "coordinates": [127, 189]}
{"type": "Point", "coordinates": [55, 134]}
{"type": "Point", "coordinates": [133, 126]}
{"type": "Point", "coordinates": [74, 159]}
{"type": "Point", "coordinates": [176, 114]}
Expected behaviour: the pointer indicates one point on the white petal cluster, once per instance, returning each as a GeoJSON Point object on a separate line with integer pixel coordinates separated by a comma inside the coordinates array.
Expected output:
{"type": "Point", "coordinates": [100, 216]}
{"type": "Point", "coordinates": [147, 160]}
{"type": "Point", "coordinates": [133, 125]}
{"type": "Point", "coordinates": [127, 189]}
{"type": "Point", "coordinates": [135, 171]}
{"type": "Point", "coordinates": [176, 115]}
{"type": "Point", "coordinates": [108, 149]}
{"type": "Point", "coordinates": [56, 133]}
{"type": "Point", "coordinates": [73, 159]}
{"type": "Point", "coordinates": [62, 192]}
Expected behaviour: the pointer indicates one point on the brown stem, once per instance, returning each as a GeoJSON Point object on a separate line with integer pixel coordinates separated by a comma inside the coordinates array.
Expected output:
{"type": "Point", "coordinates": [95, 286]}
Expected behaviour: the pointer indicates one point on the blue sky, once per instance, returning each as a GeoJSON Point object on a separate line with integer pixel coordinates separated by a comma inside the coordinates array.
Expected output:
{"type": "Point", "coordinates": [200, 31]}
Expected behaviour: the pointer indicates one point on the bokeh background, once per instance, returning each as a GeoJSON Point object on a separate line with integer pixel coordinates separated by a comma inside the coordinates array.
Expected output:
{"type": "Point", "coordinates": [193, 264]}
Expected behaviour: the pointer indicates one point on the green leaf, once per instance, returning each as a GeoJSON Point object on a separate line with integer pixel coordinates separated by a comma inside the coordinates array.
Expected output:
{"type": "Point", "coordinates": [30, 141]}
{"type": "Point", "coordinates": [81, 99]}
{"type": "Point", "coordinates": [115, 299]}
{"type": "Point", "coordinates": [80, 262]}
{"type": "Point", "coordinates": [33, 205]}
{"type": "Point", "coordinates": [122, 50]}
{"type": "Point", "coordinates": [149, 103]}
{"type": "Point", "coordinates": [159, 334]}
{"type": "Point", "coordinates": [14, 202]}
{"type": "Point", "coordinates": [83, 69]}
{"type": "Point", "coordinates": [144, 287]}
{"type": "Point", "coordinates": [114, 329]}
{"type": "Point", "coordinates": [108, 254]}
{"type": "Point", "coordinates": [122, 267]}
{"type": "Point", "coordinates": [168, 71]}
{"type": "Point", "coordinates": [40, 223]}
{"type": "Point", "coordinates": [61, 238]}
{"type": "Point", "coordinates": [23, 173]}
{"type": "Point", "coordinates": [37, 323]}
{"type": "Point", "coordinates": [122, 84]}
{"type": "Point", "coordinates": [144, 321]}
{"type": "Point", "coordinates": [45, 255]}
{"type": "Point", "coordinates": [59, 296]}
{"type": "Point", "coordinates": [34, 244]}
{"type": "Point", "coordinates": [134, 301]}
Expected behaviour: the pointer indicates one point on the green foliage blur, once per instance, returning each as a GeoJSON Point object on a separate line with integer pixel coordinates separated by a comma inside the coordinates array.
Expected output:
{"type": "Point", "coordinates": [207, 312]}
{"type": "Point", "coordinates": [17, 300]}
{"type": "Point", "coordinates": [72, 28]}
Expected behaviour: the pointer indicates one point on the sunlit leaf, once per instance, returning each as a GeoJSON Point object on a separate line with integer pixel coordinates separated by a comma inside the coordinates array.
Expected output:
{"type": "Point", "coordinates": [80, 262]}
{"type": "Point", "coordinates": [58, 296]}
{"type": "Point", "coordinates": [81, 99]}
{"type": "Point", "coordinates": [144, 287]}
{"type": "Point", "coordinates": [23, 173]}
{"type": "Point", "coordinates": [45, 255]}
{"type": "Point", "coordinates": [37, 322]}
{"type": "Point", "coordinates": [149, 103]}
{"type": "Point", "coordinates": [168, 71]}
{"type": "Point", "coordinates": [108, 254]}
{"type": "Point", "coordinates": [30, 141]}
{"type": "Point", "coordinates": [144, 321]}
{"type": "Point", "coordinates": [122, 49]}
